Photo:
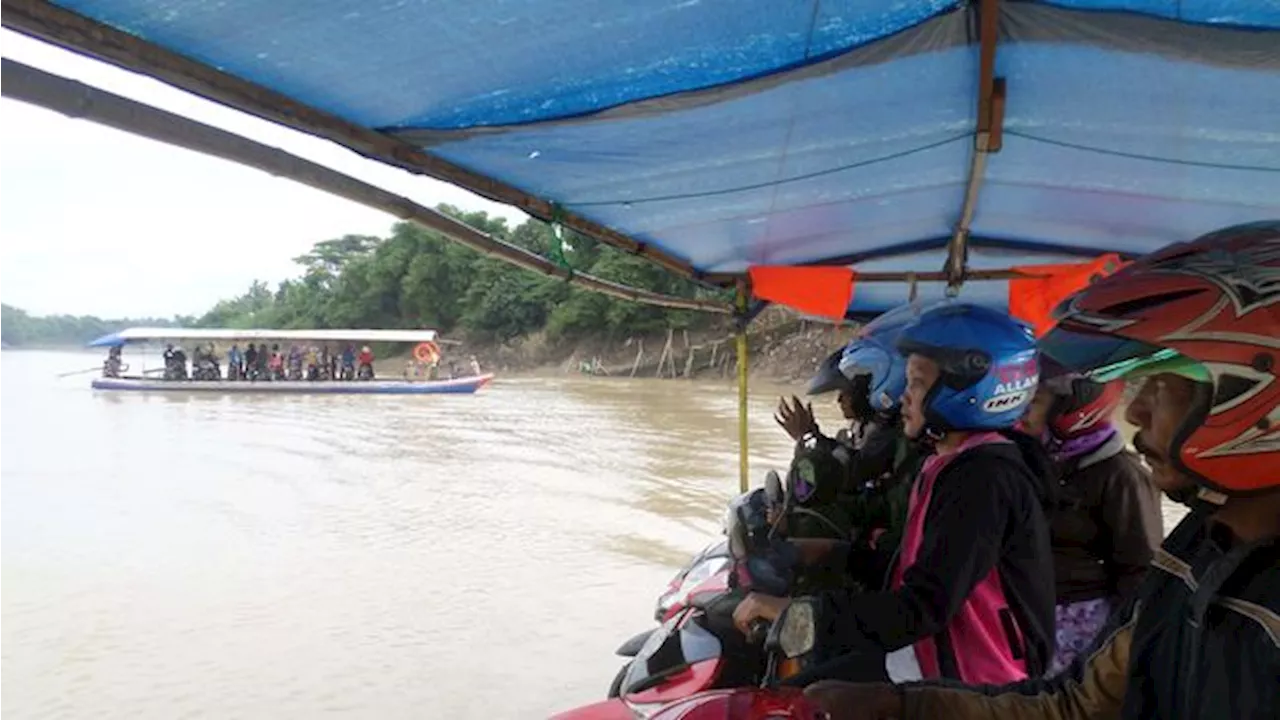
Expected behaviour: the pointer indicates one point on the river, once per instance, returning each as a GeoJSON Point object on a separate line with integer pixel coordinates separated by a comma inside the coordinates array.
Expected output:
{"type": "Point", "coordinates": [187, 556]}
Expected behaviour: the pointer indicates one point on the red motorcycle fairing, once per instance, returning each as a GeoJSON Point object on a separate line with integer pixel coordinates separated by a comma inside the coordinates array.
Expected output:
{"type": "Point", "coordinates": [689, 681]}
{"type": "Point", "coordinates": [743, 704]}
{"type": "Point", "coordinates": [695, 678]}
{"type": "Point", "coordinates": [612, 709]}
{"type": "Point", "coordinates": [711, 588]}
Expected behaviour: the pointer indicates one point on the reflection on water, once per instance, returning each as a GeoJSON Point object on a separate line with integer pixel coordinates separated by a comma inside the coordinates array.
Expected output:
{"type": "Point", "coordinates": [188, 555]}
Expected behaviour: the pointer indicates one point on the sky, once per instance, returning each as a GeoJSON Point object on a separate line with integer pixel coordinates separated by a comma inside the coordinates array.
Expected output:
{"type": "Point", "coordinates": [94, 221]}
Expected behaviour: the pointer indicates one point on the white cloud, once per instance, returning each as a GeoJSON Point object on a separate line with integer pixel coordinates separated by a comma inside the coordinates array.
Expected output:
{"type": "Point", "coordinates": [96, 221]}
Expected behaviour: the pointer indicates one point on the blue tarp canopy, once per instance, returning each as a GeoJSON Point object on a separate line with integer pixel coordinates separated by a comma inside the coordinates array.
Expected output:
{"type": "Point", "coordinates": [726, 134]}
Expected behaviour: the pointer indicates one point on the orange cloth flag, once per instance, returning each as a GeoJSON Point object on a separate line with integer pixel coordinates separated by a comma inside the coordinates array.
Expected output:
{"type": "Point", "coordinates": [813, 289]}
{"type": "Point", "coordinates": [1033, 298]}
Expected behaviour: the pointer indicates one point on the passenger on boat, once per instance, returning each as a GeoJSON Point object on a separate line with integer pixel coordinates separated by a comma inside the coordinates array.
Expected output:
{"type": "Point", "coordinates": [797, 420]}
{"type": "Point", "coordinates": [167, 356]}
{"type": "Point", "coordinates": [971, 595]}
{"type": "Point", "coordinates": [333, 363]}
{"type": "Point", "coordinates": [175, 363]}
{"type": "Point", "coordinates": [349, 362]}
{"type": "Point", "coordinates": [235, 363]}
{"type": "Point", "coordinates": [311, 358]}
{"type": "Point", "coordinates": [251, 362]}
{"type": "Point", "coordinates": [204, 363]}
{"type": "Point", "coordinates": [113, 366]}
{"type": "Point", "coordinates": [1199, 639]}
{"type": "Point", "coordinates": [886, 461]}
{"type": "Point", "coordinates": [475, 366]}
{"type": "Point", "coordinates": [263, 362]}
{"type": "Point", "coordinates": [364, 364]}
{"type": "Point", "coordinates": [295, 363]}
{"type": "Point", "coordinates": [1106, 522]}
{"type": "Point", "coordinates": [873, 481]}
{"type": "Point", "coordinates": [324, 363]}
{"type": "Point", "coordinates": [276, 363]}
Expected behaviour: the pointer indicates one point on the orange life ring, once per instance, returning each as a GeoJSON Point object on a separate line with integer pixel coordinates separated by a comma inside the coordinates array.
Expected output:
{"type": "Point", "coordinates": [426, 352]}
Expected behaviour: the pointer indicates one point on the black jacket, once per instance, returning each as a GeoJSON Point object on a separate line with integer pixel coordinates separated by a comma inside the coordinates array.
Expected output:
{"type": "Point", "coordinates": [1200, 640]}
{"type": "Point", "coordinates": [987, 510]}
{"type": "Point", "coordinates": [1105, 526]}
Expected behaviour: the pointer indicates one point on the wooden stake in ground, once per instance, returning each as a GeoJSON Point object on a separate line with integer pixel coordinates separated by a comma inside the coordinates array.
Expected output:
{"type": "Point", "coordinates": [635, 366]}
{"type": "Point", "coordinates": [666, 351]}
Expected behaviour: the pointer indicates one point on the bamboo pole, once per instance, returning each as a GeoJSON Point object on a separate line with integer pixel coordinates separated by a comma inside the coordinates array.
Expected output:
{"type": "Point", "coordinates": [662, 356]}
{"type": "Point", "coordinates": [77, 100]}
{"type": "Point", "coordinates": [635, 366]}
{"type": "Point", "coordinates": [744, 480]}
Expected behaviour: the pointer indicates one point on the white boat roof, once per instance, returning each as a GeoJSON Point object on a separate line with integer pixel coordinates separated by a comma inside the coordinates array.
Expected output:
{"type": "Point", "coordinates": [176, 334]}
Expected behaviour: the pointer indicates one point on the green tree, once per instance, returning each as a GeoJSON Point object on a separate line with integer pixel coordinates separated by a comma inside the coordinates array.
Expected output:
{"type": "Point", "coordinates": [417, 278]}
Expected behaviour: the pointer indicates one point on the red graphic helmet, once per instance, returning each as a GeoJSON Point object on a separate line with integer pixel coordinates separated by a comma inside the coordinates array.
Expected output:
{"type": "Point", "coordinates": [1210, 310]}
{"type": "Point", "coordinates": [1081, 404]}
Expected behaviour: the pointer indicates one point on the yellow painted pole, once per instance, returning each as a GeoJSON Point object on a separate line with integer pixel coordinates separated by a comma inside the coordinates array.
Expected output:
{"type": "Point", "coordinates": [743, 470]}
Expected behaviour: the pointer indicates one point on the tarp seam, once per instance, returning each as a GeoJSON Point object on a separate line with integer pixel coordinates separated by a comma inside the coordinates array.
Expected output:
{"type": "Point", "coordinates": [774, 183]}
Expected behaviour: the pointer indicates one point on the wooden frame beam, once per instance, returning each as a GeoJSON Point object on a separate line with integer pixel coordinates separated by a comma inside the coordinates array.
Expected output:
{"type": "Point", "coordinates": [71, 31]}
{"type": "Point", "coordinates": [77, 100]}
{"type": "Point", "coordinates": [986, 137]}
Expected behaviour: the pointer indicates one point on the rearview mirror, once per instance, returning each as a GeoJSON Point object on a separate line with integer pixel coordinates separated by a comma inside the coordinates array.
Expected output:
{"type": "Point", "coordinates": [794, 632]}
{"type": "Point", "coordinates": [773, 488]}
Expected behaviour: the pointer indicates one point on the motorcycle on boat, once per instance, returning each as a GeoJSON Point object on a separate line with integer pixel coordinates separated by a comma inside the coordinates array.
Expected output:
{"type": "Point", "coordinates": [706, 577]}
{"type": "Point", "coordinates": [696, 648]}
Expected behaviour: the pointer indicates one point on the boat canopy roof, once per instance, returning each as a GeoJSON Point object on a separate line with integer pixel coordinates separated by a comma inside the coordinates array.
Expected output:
{"type": "Point", "coordinates": [175, 334]}
{"type": "Point", "coordinates": [715, 140]}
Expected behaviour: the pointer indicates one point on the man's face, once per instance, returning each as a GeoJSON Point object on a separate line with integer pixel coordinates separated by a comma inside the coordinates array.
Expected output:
{"type": "Point", "coordinates": [922, 373]}
{"type": "Point", "coordinates": [1036, 418]}
{"type": "Point", "coordinates": [1162, 404]}
{"type": "Point", "coordinates": [845, 400]}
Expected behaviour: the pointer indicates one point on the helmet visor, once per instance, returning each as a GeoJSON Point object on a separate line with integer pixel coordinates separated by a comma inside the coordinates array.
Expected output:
{"type": "Point", "coordinates": [829, 377]}
{"type": "Point", "coordinates": [1103, 358]}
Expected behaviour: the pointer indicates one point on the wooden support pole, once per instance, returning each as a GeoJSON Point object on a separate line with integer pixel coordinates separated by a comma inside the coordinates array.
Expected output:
{"type": "Point", "coordinates": [635, 366]}
{"type": "Point", "coordinates": [990, 110]}
{"type": "Point", "coordinates": [744, 477]}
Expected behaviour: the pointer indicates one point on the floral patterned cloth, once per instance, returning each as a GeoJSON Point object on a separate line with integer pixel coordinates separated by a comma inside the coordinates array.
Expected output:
{"type": "Point", "coordinates": [1076, 624]}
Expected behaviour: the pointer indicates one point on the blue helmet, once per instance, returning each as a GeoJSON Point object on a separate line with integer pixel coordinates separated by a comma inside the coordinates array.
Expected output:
{"type": "Point", "coordinates": [874, 353]}
{"type": "Point", "coordinates": [988, 363]}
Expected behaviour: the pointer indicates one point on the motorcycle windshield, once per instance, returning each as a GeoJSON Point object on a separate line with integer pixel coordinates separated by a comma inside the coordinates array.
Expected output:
{"type": "Point", "coordinates": [670, 650]}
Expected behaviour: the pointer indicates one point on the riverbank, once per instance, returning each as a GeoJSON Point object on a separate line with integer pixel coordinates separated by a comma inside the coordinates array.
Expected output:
{"type": "Point", "coordinates": [782, 347]}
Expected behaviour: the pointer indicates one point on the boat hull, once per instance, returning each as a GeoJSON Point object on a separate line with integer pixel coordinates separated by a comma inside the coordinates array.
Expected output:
{"type": "Point", "coordinates": [458, 386]}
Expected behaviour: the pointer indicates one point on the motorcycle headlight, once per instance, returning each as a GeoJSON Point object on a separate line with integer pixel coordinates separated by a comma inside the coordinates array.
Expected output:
{"type": "Point", "coordinates": [796, 636]}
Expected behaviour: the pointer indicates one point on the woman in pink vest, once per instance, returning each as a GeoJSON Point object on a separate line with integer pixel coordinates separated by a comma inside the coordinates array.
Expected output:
{"type": "Point", "coordinates": [971, 595]}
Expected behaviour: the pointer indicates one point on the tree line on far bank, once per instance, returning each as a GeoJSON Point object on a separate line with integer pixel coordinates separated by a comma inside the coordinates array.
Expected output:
{"type": "Point", "coordinates": [18, 328]}
{"type": "Point", "coordinates": [417, 278]}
